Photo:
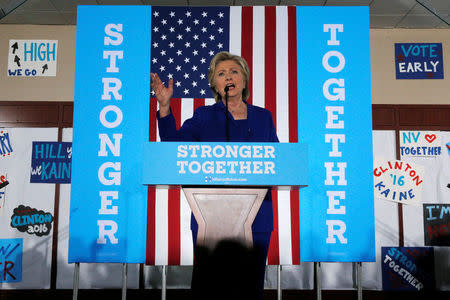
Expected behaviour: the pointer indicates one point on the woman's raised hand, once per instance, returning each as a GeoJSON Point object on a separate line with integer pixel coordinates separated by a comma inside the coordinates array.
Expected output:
{"type": "Point", "coordinates": [162, 94]}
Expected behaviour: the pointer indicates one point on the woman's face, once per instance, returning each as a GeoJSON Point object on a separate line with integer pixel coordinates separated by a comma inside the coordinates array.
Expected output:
{"type": "Point", "coordinates": [229, 73]}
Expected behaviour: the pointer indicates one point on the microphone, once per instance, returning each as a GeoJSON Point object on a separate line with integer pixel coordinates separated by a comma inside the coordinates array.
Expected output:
{"type": "Point", "coordinates": [227, 114]}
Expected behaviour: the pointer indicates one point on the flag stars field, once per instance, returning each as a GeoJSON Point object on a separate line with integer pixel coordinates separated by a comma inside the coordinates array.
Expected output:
{"type": "Point", "coordinates": [179, 29]}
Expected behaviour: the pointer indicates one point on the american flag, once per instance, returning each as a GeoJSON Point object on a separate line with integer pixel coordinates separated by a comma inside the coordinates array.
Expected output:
{"type": "Point", "coordinates": [266, 37]}
{"type": "Point", "coordinates": [184, 40]}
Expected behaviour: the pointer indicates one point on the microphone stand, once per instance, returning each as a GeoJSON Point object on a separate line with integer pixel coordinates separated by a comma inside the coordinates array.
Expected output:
{"type": "Point", "coordinates": [227, 117]}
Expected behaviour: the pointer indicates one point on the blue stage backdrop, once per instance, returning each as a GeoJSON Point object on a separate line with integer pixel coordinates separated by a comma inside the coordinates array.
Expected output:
{"type": "Point", "coordinates": [108, 201]}
{"type": "Point", "coordinates": [111, 115]}
{"type": "Point", "coordinates": [335, 120]}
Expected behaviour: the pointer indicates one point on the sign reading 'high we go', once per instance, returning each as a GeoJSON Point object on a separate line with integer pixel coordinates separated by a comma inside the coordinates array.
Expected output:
{"type": "Point", "coordinates": [32, 58]}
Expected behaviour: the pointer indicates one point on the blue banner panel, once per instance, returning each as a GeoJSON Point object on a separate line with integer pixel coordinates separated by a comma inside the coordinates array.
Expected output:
{"type": "Point", "coordinates": [225, 164]}
{"type": "Point", "coordinates": [11, 252]}
{"type": "Point", "coordinates": [335, 120]}
{"type": "Point", "coordinates": [408, 268]}
{"type": "Point", "coordinates": [51, 162]}
{"type": "Point", "coordinates": [111, 116]}
{"type": "Point", "coordinates": [419, 61]}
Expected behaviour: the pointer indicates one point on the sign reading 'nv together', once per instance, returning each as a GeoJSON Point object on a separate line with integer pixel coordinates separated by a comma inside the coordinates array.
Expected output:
{"type": "Point", "coordinates": [111, 131]}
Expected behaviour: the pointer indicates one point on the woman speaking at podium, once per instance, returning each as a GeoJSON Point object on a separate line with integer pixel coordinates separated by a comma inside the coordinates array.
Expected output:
{"type": "Point", "coordinates": [228, 79]}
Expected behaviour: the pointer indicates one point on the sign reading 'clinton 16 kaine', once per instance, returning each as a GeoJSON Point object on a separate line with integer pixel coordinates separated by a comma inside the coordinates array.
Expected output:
{"type": "Point", "coordinates": [419, 61]}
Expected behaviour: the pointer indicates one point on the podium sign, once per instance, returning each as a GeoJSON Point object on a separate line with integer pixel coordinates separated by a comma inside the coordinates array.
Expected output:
{"type": "Point", "coordinates": [250, 164]}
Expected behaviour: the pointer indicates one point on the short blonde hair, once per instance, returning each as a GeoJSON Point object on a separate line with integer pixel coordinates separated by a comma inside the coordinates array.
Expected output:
{"type": "Point", "coordinates": [223, 56]}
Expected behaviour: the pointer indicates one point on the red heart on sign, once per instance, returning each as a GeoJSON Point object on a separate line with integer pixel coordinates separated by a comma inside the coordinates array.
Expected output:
{"type": "Point", "coordinates": [430, 137]}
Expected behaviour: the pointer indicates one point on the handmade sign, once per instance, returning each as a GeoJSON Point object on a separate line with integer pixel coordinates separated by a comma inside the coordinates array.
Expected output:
{"type": "Point", "coordinates": [32, 58]}
{"type": "Point", "coordinates": [436, 223]}
{"type": "Point", "coordinates": [6, 148]}
{"type": "Point", "coordinates": [398, 181]}
{"type": "Point", "coordinates": [11, 252]}
{"type": "Point", "coordinates": [31, 220]}
{"type": "Point", "coordinates": [51, 162]}
{"type": "Point", "coordinates": [420, 143]}
{"type": "Point", "coordinates": [419, 61]}
{"type": "Point", "coordinates": [407, 268]}
{"type": "Point", "coordinates": [3, 183]}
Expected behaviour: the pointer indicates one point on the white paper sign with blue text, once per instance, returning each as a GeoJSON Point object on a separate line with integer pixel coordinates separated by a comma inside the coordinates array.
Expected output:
{"type": "Point", "coordinates": [32, 58]}
{"type": "Point", "coordinates": [420, 143]}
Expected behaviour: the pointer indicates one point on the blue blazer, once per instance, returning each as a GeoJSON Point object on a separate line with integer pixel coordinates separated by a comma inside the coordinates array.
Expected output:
{"type": "Point", "coordinates": [208, 125]}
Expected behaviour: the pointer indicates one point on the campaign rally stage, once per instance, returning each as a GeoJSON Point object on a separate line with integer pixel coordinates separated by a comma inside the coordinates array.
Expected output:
{"type": "Point", "coordinates": [113, 158]}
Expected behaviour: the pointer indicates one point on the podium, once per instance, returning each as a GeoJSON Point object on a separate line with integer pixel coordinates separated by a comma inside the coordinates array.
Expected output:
{"type": "Point", "coordinates": [225, 183]}
{"type": "Point", "coordinates": [224, 213]}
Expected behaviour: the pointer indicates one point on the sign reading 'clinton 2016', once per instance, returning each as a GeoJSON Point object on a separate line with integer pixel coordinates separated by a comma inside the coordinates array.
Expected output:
{"type": "Point", "coordinates": [419, 61]}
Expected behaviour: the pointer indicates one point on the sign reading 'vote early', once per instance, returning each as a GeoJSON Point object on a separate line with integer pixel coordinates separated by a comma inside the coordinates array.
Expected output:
{"type": "Point", "coordinates": [419, 61]}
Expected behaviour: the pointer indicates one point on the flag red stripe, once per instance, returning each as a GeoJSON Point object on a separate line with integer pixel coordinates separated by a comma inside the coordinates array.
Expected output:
{"type": "Point", "coordinates": [270, 79]}
{"type": "Point", "coordinates": [247, 43]}
{"type": "Point", "coordinates": [198, 102]}
{"type": "Point", "coordinates": [293, 126]}
{"type": "Point", "coordinates": [273, 258]}
{"type": "Point", "coordinates": [175, 105]}
{"type": "Point", "coordinates": [295, 227]}
{"type": "Point", "coordinates": [292, 59]}
{"type": "Point", "coordinates": [151, 194]}
{"type": "Point", "coordinates": [151, 204]}
{"type": "Point", "coordinates": [174, 227]}
{"type": "Point", "coordinates": [270, 103]}
{"type": "Point", "coordinates": [152, 120]}
{"type": "Point", "coordinates": [174, 202]}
